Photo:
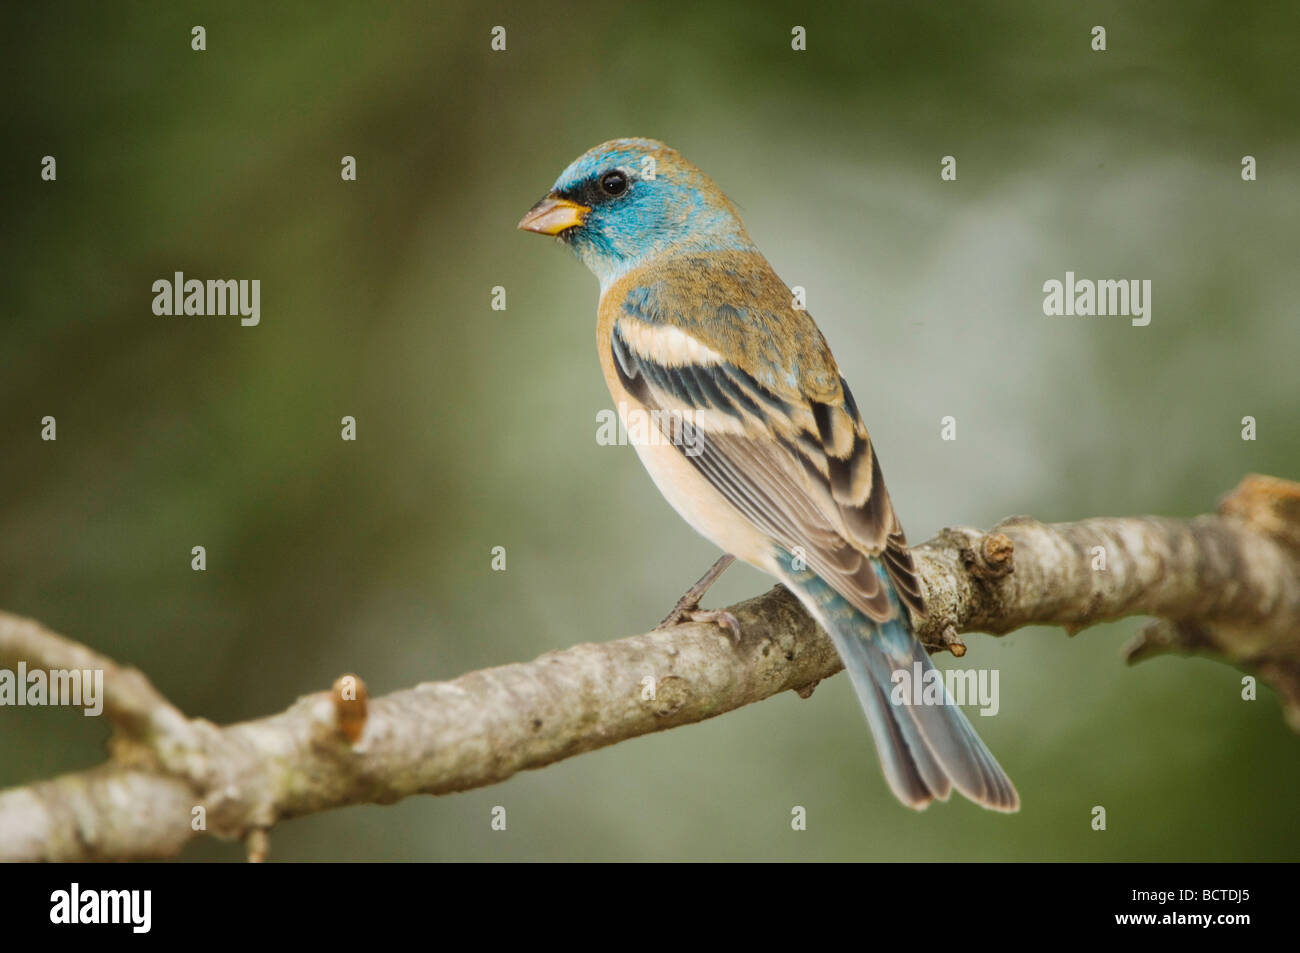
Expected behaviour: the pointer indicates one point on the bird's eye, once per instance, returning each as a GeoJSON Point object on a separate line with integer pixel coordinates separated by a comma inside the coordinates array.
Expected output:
{"type": "Point", "coordinates": [613, 183]}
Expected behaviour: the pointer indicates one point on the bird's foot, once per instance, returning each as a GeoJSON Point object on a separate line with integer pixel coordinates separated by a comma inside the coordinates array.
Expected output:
{"type": "Point", "coordinates": [719, 617]}
{"type": "Point", "coordinates": [688, 606]}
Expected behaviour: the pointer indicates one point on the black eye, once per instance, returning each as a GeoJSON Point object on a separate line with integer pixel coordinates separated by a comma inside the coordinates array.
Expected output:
{"type": "Point", "coordinates": [613, 183]}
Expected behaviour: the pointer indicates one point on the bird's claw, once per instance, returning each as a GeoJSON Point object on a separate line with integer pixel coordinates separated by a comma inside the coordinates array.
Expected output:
{"type": "Point", "coordinates": [688, 606]}
{"type": "Point", "coordinates": [719, 617]}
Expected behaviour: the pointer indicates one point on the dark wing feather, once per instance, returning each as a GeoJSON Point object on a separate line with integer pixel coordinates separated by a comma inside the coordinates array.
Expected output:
{"type": "Point", "coordinates": [801, 470]}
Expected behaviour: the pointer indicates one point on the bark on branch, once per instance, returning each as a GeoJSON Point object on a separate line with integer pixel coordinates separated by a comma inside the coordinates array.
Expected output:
{"type": "Point", "coordinates": [1226, 585]}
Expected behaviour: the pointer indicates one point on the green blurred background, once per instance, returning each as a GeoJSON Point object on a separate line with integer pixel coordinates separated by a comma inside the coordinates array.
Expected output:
{"type": "Point", "coordinates": [477, 427]}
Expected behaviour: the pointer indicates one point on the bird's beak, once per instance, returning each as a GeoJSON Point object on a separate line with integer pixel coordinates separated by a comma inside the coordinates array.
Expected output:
{"type": "Point", "coordinates": [553, 215]}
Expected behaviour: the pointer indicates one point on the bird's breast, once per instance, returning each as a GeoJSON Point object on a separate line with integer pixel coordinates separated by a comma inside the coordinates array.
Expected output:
{"type": "Point", "coordinates": [669, 464]}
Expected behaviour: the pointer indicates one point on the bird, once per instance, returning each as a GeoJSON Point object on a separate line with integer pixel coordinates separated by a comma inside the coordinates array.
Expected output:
{"type": "Point", "coordinates": [763, 449]}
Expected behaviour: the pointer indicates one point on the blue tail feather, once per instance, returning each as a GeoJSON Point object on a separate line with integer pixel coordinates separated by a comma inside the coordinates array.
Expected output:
{"type": "Point", "coordinates": [925, 749]}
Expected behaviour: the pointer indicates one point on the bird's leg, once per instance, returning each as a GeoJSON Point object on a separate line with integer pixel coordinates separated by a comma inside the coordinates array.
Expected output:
{"type": "Point", "coordinates": [688, 606]}
{"type": "Point", "coordinates": [690, 602]}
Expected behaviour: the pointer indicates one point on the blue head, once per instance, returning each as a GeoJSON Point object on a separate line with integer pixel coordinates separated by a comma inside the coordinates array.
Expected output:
{"type": "Point", "coordinates": [627, 201]}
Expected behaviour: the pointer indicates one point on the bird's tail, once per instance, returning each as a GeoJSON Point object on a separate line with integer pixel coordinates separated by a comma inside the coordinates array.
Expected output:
{"type": "Point", "coordinates": [925, 749]}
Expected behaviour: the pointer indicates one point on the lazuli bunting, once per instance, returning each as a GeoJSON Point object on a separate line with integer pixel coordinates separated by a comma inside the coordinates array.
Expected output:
{"type": "Point", "coordinates": [763, 449]}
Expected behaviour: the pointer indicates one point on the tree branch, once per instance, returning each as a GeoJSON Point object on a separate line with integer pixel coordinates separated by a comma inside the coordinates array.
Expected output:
{"type": "Point", "coordinates": [1226, 585]}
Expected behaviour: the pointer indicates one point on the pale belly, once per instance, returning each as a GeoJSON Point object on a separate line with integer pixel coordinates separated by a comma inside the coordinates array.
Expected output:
{"type": "Point", "coordinates": [703, 507]}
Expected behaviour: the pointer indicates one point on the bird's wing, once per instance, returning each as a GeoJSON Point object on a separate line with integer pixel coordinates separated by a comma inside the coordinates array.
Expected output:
{"type": "Point", "coordinates": [767, 421]}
